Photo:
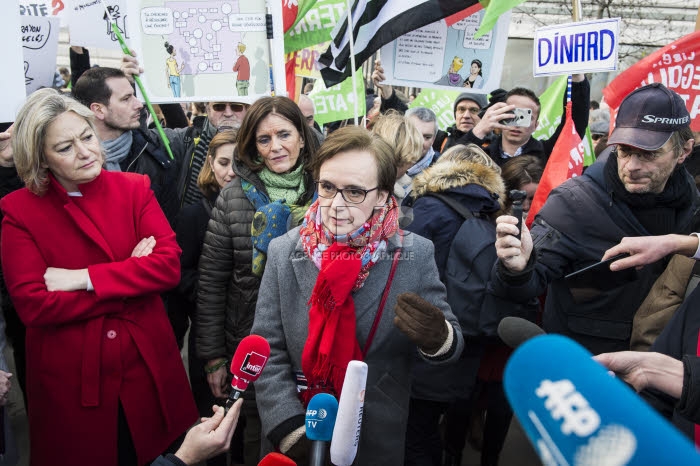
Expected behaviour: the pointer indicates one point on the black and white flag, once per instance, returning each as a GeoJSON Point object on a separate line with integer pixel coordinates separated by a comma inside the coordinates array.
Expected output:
{"type": "Point", "coordinates": [378, 22]}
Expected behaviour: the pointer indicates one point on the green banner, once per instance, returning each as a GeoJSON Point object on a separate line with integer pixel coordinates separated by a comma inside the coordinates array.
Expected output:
{"type": "Point", "coordinates": [440, 102]}
{"type": "Point", "coordinates": [338, 102]}
{"type": "Point", "coordinates": [551, 111]}
{"type": "Point", "coordinates": [494, 9]}
{"type": "Point", "coordinates": [316, 25]}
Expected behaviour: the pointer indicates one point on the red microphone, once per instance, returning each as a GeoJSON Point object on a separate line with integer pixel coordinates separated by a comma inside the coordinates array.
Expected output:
{"type": "Point", "coordinates": [276, 459]}
{"type": "Point", "coordinates": [247, 364]}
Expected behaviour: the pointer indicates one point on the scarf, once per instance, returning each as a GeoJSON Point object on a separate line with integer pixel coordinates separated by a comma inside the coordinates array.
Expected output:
{"type": "Point", "coordinates": [116, 150]}
{"type": "Point", "coordinates": [344, 263]}
{"type": "Point", "coordinates": [657, 212]}
{"type": "Point", "coordinates": [199, 158]}
{"type": "Point", "coordinates": [422, 164]}
{"type": "Point", "coordinates": [288, 186]}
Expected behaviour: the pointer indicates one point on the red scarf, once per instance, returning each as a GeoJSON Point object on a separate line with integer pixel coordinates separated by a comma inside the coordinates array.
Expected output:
{"type": "Point", "coordinates": [331, 343]}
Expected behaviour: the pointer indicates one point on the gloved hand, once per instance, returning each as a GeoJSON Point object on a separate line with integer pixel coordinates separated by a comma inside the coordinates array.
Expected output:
{"type": "Point", "coordinates": [420, 321]}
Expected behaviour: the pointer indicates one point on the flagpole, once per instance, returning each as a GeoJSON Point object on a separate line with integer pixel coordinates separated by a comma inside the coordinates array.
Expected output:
{"type": "Point", "coordinates": [352, 56]}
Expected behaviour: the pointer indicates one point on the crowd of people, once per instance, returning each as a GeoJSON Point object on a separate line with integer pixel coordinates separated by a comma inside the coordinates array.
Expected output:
{"type": "Point", "coordinates": [393, 244]}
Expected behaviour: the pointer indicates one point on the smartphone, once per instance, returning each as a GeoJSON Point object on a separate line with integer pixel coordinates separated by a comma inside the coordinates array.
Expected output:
{"type": "Point", "coordinates": [523, 117]}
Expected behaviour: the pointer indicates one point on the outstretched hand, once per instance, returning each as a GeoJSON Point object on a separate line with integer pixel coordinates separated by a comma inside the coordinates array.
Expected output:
{"type": "Point", "coordinates": [211, 437]}
{"type": "Point", "coordinates": [645, 250]}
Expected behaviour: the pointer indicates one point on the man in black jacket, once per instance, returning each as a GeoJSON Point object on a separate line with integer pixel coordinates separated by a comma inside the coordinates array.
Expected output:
{"type": "Point", "coordinates": [638, 187]}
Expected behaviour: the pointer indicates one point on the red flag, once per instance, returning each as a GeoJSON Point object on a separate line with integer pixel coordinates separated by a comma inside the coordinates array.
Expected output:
{"type": "Point", "coordinates": [290, 73]}
{"type": "Point", "coordinates": [566, 161]}
{"type": "Point", "coordinates": [676, 65]}
{"type": "Point", "coordinates": [290, 10]}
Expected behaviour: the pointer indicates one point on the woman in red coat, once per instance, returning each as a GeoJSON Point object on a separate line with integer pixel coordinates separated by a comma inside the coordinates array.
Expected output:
{"type": "Point", "coordinates": [85, 253]}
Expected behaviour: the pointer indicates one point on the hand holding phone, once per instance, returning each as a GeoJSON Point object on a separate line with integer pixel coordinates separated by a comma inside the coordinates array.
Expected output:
{"type": "Point", "coordinates": [518, 197]}
{"type": "Point", "coordinates": [522, 118]}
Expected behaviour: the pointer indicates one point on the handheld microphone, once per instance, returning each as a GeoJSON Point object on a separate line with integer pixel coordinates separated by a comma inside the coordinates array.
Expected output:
{"type": "Point", "coordinates": [346, 432]}
{"type": "Point", "coordinates": [276, 459]}
{"type": "Point", "coordinates": [514, 331]}
{"type": "Point", "coordinates": [518, 197]}
{"type": "Point", "coordinates": [247, 365]}
{"type": "Point", "coordinates": [320, 421]}
{"type": "Point", "coordinates": [575, 413]}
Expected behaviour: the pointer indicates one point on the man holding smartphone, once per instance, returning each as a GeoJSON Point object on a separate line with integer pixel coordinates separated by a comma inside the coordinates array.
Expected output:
{"type": "Point", "coordinates": [515, 136]}
{"type": "Point", "coordinates": [637, 187]}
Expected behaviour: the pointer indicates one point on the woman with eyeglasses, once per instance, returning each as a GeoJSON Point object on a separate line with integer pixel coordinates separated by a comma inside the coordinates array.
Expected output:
{"type": "Point", "coordinates": [268, 196]}
{"type": "Point", "coordinates": [350, 285]}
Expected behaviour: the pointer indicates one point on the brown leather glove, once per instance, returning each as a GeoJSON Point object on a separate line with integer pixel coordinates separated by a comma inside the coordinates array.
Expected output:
{"type": "Point", "coordinates": [420, 321]}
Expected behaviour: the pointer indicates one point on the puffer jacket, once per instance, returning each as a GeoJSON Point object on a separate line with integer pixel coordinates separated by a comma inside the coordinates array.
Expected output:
{"type": "Point", "coordinates": [228, 290]}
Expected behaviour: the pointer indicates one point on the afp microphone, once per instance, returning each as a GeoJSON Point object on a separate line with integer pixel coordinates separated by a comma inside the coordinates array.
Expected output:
{"type": "Point", "coordinates": [346, 433]}
{"type": "Point", "coordinates": [575, 413]}
{"type": "Point", "coordinates": [247, 364]}
{"type": "Point", "coordinates": [320, 421]}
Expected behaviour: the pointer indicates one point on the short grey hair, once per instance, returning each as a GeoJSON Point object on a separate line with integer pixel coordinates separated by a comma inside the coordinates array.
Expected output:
{"type": "Point", "coordinates": [423, 114]}
{"type": "Point", "coordinates": [29, 135]}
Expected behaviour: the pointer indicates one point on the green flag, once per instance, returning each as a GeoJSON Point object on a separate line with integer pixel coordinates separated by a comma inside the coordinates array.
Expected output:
{"type": "Point", "coordinates": [551, 110]}
{"type": "Point", "coordinates": [338, 102]}
{"type": "Point", "coordinates": [440, 102]}
{"type": "Point", "coordinates": [494, 9]}
{"type": "Point", "coordinates": [315, 26]}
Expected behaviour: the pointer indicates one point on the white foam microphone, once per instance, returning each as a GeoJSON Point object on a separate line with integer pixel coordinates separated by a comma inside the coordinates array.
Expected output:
{"type": "Point", "coordinates": [346, 432]}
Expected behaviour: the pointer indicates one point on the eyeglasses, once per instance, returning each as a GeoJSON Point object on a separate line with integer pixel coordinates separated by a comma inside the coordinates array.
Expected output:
{"type": "Point", "coordinates": [328, 190]}
{"type": "Point", "coordinates": [221, 106]}
{"type": "Point", "coordinates": [644, 155]}
{"type": "Point", "coordinates": [472, 110]}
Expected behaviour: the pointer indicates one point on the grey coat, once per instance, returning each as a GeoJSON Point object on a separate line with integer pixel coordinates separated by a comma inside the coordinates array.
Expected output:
{"type": "Point", "coordinates": [281, 316]}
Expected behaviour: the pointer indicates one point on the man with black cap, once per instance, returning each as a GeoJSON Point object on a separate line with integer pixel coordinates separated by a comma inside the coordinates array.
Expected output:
{"type": "Point", "coordinates": [637, 187]}
{"type": "Point", "coordinates": [466, 110]}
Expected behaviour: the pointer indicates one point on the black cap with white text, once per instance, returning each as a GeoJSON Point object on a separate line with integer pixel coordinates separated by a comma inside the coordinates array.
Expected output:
{"type": "Point", "coordinates": [648, 117]}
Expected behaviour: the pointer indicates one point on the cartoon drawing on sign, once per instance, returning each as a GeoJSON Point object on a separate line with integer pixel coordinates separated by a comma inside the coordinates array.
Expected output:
{"type": "Point", "coordinates": [260, 71]}
{"type": "Point", "coordinates": [219, 42]}
{"type": "Point", "coordinates": [172, 70]}
{"type": "Point", "coordinates": [452, 78]}
{"type": "Point", "coordinates": [242, 68]}
{"type": "Point", "coordinates": [475, 80]}
{"type": "Point", "coordinates": [27, 79]}
{"type": "Point", "coordinates": [116, 16]}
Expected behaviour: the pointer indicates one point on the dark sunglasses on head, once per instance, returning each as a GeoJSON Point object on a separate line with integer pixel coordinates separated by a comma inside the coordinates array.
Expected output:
{"type": "Point", "coordinates": [221, 106]}
{"type": "Point", "coordinates": [595, 137]}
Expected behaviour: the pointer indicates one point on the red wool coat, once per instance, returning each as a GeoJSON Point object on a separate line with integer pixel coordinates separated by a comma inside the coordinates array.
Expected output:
{"type": "Point", "coordinates": [89, 350]}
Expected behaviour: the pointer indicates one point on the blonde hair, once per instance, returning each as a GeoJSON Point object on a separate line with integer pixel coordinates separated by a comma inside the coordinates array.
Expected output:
{"type": "Point", "coordinates": [29, 134]}
{"type": "Point", "coordinates": [402, 135]}
{"type": "Point", "coordinates": [241, 47]}
{"type": "Point", "coordinates": [207, 180]}
{"type": "Point", "coordinates": [470, 152]}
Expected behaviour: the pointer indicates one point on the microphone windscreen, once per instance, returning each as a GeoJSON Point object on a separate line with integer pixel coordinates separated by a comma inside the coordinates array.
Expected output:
{"type": "Point", "coordinates": [514, 331]}
{"type": "Point", "coordinates": [575, 413]}
{"type": "Point", "coordinates": [276, 459]}
{"type": "Point", "coordinates": [248, 362]}
{"type": "Point", "coordinates": [346, 432]}
{"type": "Point", "coordinates": [320, 417]}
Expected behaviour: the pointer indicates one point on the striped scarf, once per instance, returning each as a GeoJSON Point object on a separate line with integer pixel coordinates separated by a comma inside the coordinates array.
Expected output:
{"type": "Point", "coordinates": [192, 193]}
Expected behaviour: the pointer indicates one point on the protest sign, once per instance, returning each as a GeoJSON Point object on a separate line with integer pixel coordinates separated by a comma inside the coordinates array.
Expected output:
{"type": "Point", "coordinates": [54, 8]}
{"type": "Point", "coordinates": [12, 90]}
{"type": "Point", "coordinates": [39, 45]}
{"type": "Point", "coordinates": [580, 47]}
{"type": "Point", "coordinates": [443, 56]}
{"type": "Point", "coordinates": [338, 102]}
{"type": "Point", "coordinates": [315, 26]}
{"type": "Point", "coordinates": [207, 50]}
{"type": "Point", "coordinates": [89, 24]}
{"type": "Point", "coordinates": [306, 61]}
{"type": "Point", "coordinates": [676, 65]}
{"type": "Point", "coordinates": [441, 102]}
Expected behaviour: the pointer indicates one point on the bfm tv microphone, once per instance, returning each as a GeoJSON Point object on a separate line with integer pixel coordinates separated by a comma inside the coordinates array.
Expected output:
{"type": "Point", "coordinates": [247, 364]}
{"type": "Point", "coordinates": [575, 413]}
{"type": "Point", "coordinates": [276, 459]}
{"type": "Point", "coordinates": [320, 421]}
{"type": "Point", "coordinates": [514, 331]}
{"type": "Point", "coordinates": [346, 433]}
